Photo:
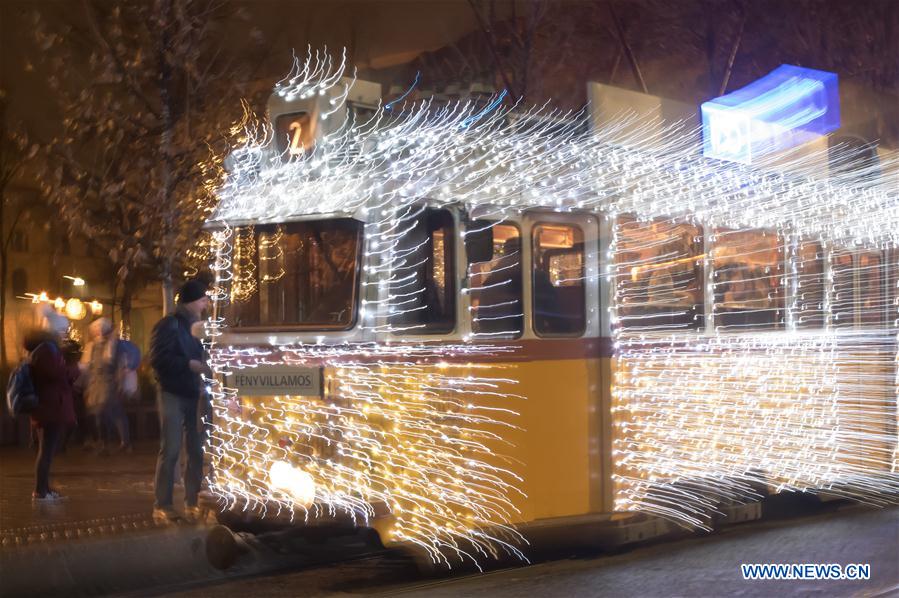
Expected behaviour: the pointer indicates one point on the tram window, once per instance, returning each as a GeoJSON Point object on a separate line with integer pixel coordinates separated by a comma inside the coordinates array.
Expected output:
{"type": "Point", "coordinates": [494, 269]}
{"type": "Point", "coordinates": [748, 280]}
{"type": "Point", "coordinates": [301, 274]}
{"type": "Point", "coordinates": [843, 296]}
{"type": "Point", "coordinates": [363, 115]}
{"type": "Point", "coordinates": [558, 283]}
{"type": "Point", "coordinates": [659, 273]}
{"type": "Point", "coordinates": [893, 308]}
{"type": "Point", "coordinates": [893, 294]}
{"type": "Point", "coordinates": [811, 285]}
{"type": "Point", "coordinates": [870, 300]}
{"type": "Point", "coordinates": [424, 289]}
{"type": "Point", "coordinates": [858, 298]}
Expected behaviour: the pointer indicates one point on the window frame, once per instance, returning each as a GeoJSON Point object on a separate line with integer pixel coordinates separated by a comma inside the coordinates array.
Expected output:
{"type": "Point", "coordinates": [356, 296]}
{"type": "Point", "coordinates": [885, 298]}
{"type": "Point", "coordinates": [470, 320]}
{"type": "Point", "coordinates": [450, 270]}
{"type": "Point", "coordinates": [534, 228]}
{"type": "Point", "coordinates": [704, 306]}
{"type": "Point", "coordinates": [820, 316]}
{"type": "Point", "coordinates": [712, 298]}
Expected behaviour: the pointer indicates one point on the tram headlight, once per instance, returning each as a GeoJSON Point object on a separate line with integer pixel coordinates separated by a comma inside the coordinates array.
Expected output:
{"type": "Point", "coordinates": [292, 481]}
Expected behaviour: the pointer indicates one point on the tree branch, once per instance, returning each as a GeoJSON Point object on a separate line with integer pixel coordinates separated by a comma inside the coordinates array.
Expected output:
{"type": "Point", "coordinates": [733, 54]}
{"type": "Point", "coordinates": [635, 68]}
{"type": "Point", "coordinates": [120, 66]}
{"type": "Point", "coordinates": [487, 30]}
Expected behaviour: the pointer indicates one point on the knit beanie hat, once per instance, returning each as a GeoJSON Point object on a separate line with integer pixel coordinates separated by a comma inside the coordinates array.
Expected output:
{"type": "Point", "coordinates": [54, 322]}
{"type": "Point", "coordinates": [191, 291]}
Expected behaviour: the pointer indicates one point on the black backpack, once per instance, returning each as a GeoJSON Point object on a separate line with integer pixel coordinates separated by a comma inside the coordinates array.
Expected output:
{"type": "Point", "coordinates": [21, 396]}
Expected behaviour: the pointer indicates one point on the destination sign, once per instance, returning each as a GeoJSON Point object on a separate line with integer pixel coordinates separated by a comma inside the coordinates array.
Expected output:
{"type": "Point", "coordinates": [277, 381]}
{"type": "Point", "coordinates": [788, 107]}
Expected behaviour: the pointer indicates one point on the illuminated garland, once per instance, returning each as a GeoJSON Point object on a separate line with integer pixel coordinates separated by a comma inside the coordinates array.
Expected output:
{"type": "Point", "coordinates": [243, 285]}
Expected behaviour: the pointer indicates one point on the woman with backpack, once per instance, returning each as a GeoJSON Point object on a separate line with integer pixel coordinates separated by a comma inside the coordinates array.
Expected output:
{"type": "Point", "coordinates": [55, 411]}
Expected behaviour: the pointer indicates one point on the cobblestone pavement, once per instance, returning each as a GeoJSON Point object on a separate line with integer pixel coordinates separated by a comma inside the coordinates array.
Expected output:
{"type": "Point", "coordinates": [698, 566]}
{"type": "Point", "coordinates": [100, 490]}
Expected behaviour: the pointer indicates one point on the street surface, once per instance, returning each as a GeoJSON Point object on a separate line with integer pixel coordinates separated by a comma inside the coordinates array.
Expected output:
{"type": "Point", "coordinates": [696, 566]}
{"type": "Point", "coordinates": [96, 487]}
{"type": "Point", "coordinates": [101, 541]}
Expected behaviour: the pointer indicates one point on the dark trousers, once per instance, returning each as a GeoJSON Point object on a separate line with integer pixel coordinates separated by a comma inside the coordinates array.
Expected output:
{"type": "Point", "coordinates": [117, 419]}
{"type": "Point", "coordinates": [177, 417]}
{"type": "Point", "coordinates": [48, 438]}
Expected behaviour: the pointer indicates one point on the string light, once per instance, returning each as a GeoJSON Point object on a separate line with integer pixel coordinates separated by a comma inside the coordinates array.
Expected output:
{"type": "Point", "coordinates": [731, 372]}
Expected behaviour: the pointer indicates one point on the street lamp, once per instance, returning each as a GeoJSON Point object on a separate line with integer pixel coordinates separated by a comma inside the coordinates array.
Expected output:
{"type": "Point", "coordinates": [75, 309]}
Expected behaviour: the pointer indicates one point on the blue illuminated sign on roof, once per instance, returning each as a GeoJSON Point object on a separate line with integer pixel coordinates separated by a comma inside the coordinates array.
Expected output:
{"type": "Point", "coordinates": [787, 107]}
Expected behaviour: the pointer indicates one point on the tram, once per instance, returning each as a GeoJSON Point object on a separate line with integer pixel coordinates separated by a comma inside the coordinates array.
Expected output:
{"type": "Point", "coordinates": [471, 329]}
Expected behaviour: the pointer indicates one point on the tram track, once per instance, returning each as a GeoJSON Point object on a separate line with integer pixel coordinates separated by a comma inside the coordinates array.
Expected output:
{"type": "Point", "coordinates": [275, 554]}
{"type": "Point", "coordinates": [371, 569]}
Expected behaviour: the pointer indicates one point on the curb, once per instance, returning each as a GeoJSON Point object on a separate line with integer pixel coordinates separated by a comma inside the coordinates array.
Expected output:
{"type": "Point", "coordinates": [104, 565]}
{"type": "Point", "coordinates": [129, 559]}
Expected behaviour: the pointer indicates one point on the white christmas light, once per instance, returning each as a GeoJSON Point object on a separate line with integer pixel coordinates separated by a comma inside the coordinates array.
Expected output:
{"type": "Point", "coordinates": [732, 373]}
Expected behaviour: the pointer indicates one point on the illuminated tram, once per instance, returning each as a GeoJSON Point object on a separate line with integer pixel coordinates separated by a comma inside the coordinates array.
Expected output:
{"type": "Point", "coordinates": [466, 374]}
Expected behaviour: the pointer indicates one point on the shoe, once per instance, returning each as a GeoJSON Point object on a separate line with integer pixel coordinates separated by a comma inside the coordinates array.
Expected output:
{"type": "Point", "coordinates": [49, 496]}
{"type": "Point", "coordinates": [165, 515]}
{"type": "Point", "coordinates": [192, 513]}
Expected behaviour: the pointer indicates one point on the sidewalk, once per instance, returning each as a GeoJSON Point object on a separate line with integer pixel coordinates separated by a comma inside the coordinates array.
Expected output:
{"type": "Point", "coordinates": [102, 539]}
{"type": "Point", "coordinates": [102, 492]}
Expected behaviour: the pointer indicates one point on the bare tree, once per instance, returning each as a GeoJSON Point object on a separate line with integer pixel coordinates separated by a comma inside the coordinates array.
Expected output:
{"type": "Point", "coordinates": [14, 151]}
{"type": "Point", "coordinates": [145, 109]}
{"type": "Point", "coordinates": [536, 51]}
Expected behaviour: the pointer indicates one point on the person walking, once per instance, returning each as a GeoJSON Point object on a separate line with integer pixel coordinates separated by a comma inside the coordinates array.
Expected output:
{"type": "Point", "coordinates": [55, 412]}
{"type": "Point", "coordinates": [101, 361]}
{"type": "Point", "coordinates": [178, 361]}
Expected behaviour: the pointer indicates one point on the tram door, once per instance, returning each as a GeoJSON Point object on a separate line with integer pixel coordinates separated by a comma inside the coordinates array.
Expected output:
{"type": "Point", "coordinates": [562, 375]}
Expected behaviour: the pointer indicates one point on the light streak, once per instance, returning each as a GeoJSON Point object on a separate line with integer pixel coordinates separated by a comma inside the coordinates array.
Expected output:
{"type": "Point", "coordinates": [743, 364]}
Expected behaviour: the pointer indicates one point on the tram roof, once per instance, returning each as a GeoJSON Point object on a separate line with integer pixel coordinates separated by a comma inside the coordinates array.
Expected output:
{"type": "Point", "coordinates": [514, 158]}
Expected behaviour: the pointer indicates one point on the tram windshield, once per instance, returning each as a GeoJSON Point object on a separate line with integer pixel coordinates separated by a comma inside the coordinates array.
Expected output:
{"type": "Point", "coordinates": [300, 274]}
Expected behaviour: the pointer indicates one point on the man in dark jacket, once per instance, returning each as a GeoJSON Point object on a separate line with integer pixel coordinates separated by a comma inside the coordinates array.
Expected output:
{"type": "Point", "coordinates": [177, 358]}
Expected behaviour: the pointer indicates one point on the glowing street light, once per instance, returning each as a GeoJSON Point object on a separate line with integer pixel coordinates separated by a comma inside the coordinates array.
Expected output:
{"type": "Point", "coordinates": [75, 309]}
{"type": "Point", "coordinates": [76, 280]}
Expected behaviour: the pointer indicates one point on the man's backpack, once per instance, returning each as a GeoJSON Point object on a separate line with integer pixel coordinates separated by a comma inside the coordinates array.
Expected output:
{"type": "Point", "coordinates": [21, 396]}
